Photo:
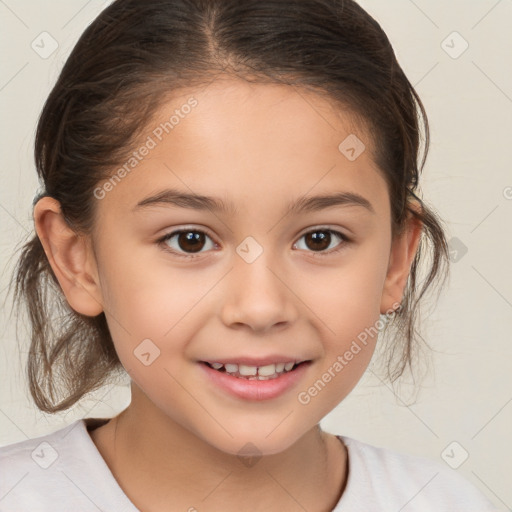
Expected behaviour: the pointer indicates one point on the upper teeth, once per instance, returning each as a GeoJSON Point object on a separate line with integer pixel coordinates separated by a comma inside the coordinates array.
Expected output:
{"type": "Point", "coordinates": [264, 371]}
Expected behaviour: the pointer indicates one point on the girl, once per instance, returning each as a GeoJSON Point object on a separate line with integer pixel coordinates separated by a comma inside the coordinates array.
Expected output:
{"type": "Point", "coordinates": [228, 209]}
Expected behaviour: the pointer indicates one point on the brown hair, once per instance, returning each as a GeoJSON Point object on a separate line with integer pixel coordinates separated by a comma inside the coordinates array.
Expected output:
{"type": "Point", "coordinates": [128, 62]}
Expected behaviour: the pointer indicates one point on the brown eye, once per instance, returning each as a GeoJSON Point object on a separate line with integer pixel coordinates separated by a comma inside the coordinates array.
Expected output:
{"type": "Point", "coordinates": [318, 240]}
{"type": "Point", "coordinates": [321, 239]}
{"type": "Point", "coordinates": [186, 241]}
{"type": "Point", "coordinates": [191, 241]}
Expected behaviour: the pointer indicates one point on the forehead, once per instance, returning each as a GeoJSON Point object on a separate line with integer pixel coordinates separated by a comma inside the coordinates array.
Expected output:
{"type": "Point", "coordinates": [252, 144]}
{"type": "Point", "coordinates": [274, 119]}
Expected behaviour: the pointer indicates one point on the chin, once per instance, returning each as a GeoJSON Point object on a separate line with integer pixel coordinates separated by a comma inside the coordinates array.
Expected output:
{"type": "Point", "coordinates": [254, 444]}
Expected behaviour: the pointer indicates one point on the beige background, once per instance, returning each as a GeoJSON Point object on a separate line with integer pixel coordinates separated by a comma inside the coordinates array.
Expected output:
{"type": "Point", "coordinates": [467, 395]}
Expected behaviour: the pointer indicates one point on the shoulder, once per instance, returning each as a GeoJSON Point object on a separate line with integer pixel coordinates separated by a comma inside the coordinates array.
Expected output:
{"type": "Point", "coordinates": [40, 452]}
{"type": "Point", "coordinates": [388, 479]}
{"type": "Point", "coordinates": [36, 471]}
{"type": "Point", "coordinates": [59, 471]}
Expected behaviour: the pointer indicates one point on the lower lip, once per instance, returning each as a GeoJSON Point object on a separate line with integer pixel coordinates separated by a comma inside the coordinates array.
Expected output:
{"type": "Point", "coordinates": [256, 389]}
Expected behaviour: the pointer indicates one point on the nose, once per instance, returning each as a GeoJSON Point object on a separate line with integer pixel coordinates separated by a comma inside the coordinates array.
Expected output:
{"type": "Point", "coordinates": [258, 296]}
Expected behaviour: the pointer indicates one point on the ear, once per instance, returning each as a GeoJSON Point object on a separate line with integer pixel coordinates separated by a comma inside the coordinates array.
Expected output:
{"type": "Point", "coordinates": [403, 250]}
{"type": "Point", "coordinates": [70, 256]}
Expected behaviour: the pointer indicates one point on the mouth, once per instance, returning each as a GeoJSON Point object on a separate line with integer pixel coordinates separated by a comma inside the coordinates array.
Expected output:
{"type": "Point", "coordinates": [247, 372]}
{"type": "Point", "coordinates": [255, 383]}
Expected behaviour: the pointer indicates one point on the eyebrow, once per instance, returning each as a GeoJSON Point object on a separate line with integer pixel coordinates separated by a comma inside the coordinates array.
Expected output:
{"type": "Point", "coordinates": [200, 202]}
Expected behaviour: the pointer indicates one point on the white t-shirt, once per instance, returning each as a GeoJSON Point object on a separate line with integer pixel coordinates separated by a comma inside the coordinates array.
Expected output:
{"type": "Point", "coordinates": [64, 472]}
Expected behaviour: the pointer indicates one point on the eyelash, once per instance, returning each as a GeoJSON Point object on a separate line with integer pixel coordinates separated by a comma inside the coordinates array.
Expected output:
{"type": "Point", "coordinates": [161, 241]}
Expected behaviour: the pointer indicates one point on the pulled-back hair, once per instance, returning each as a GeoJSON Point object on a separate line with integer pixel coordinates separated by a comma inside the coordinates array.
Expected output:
{"type": "Point", "coordinates": [129, 62]}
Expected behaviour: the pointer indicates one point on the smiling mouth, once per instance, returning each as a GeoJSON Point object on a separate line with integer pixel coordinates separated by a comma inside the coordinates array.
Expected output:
{"type": "Point", "coordinates": [268, 372]}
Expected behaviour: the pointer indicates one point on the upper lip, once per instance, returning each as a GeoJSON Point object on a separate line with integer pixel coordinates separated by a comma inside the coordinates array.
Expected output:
{"type": "Point", "coordinates": [256, 361]}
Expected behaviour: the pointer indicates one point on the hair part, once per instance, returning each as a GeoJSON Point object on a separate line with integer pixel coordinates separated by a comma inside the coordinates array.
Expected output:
{"type": "Point", "coordinates": [128, 63]}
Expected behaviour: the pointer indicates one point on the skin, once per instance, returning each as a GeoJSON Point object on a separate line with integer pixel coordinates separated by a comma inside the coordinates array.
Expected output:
{"type": "Point", "coordinates": [258, 146]}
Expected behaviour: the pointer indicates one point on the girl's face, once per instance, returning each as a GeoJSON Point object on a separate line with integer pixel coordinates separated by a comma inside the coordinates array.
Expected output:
{"type": "Point", "coordinates": [262, 282]}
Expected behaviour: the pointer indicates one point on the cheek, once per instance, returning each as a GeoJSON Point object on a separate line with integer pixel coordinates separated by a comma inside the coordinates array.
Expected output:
{"type": "Point", "coordinates": [347, 296]}
{"type": "Point", "coordinates": [147, 294]}
{"type": "Point", "coordinates": [151, 320]}
{"type": "Point", "coordinates": [346, 305]}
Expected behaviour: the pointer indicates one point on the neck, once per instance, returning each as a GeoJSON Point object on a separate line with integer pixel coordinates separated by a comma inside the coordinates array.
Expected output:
{"type": "Point", "coordinates": [157, 462]}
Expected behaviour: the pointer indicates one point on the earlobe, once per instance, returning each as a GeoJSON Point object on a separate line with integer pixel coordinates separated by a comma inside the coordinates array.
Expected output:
{"type": "Point", "coordinates": [403, 251]}
{"type": "Point", "coordinates": [70, 257]}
